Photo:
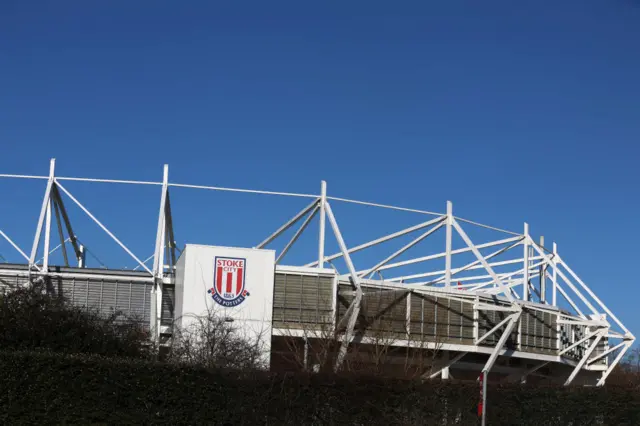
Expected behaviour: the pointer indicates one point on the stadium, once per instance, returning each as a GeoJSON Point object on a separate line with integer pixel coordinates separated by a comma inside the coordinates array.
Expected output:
{"type": "Point", "coordinates": [438, 300]}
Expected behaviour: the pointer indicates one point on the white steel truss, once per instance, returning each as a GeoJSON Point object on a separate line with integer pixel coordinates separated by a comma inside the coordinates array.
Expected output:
{"type": "Point", "coordinates": [520, 283]}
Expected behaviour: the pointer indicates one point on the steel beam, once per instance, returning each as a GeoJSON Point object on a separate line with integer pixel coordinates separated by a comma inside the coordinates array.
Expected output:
{"type": "Point", "coordinates": [500, 344]}
{"type": "Point", "coordinates": [297, 234]}
{"type": "Point", "coordinates": [401, 250]}
{"type": "Point", "coordinates": [158, 257]}
{"type": "Point", "coordinates": [104, 228]}
{"type": "Point", "coordinates": [494, 329]}
{"type": "Point", "coordinates": [554, 277]}
{"type": "Point", "coordinates": [448, 245]}
{"type": "Point", "coordinates": [356, 283]}
{"type": "Point", "coordinates": [547, 259]}
{"type": "Point", "coordinates": [525, 281]}
{"type": "Point", "coordinates": [448, 365]}
{"type": "Point", "coordinates": [607, 352]}
{"type": "Point", "coordinates": [47, 237]}
{"type": "Point", "coordinates": [43, 213]}
{"type": "Point", "coordinates": [323, 217]}
{"type": "Point", "coordinates": [288, 224]}
{"type": "Point", "coordinates": [592, 294]}
{"type": "Point", "coordinates": [380, 240]}
{"type": "Point", "coordinates": [482, 260]}
{"type": "Point", "coordinates": [584, 359]}
{"type": "Point", "coordinates": [453, 252]}
{"type": "Point", "coordinates": [614, 363]}
{"type": "Point", "coordinates": [55, 193]}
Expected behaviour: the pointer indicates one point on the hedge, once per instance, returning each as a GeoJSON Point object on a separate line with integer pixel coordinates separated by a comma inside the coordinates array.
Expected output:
{"type": "Point", "coordinates": [48, 388]}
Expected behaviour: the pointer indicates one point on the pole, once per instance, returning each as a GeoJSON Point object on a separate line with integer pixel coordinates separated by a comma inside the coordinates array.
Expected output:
{"type": "Point", "coordinates": [482, 404]}
{"type": "Point", "coordinates": [543, 282]}
{"type": "Point", "coordinates": [525, 288]}
{"type": "Point", "coordinates": [323, 202]}
{"type": "Point", "coordinates": [82, 258]}
{"type": "Point", "coordinates": [447, 265]}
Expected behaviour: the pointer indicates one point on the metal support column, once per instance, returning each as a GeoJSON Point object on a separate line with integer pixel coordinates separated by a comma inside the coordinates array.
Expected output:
{"type": "Point", "coordinates": [323, 203]}
{"type": "Point", "coordinates": [525, 279]}
{"type": "Point", "coordinates": [43, 214]}
{"type": "Point", "coordinates": [543, 282]}
{"type": "Point", "coordinates": [554, 277]}
{"type": "Point", "coordinates": [447, 267]}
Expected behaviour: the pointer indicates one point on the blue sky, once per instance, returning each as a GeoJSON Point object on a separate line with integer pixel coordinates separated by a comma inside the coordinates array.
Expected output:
{"type": "Point", "coordinates": [515, 112]}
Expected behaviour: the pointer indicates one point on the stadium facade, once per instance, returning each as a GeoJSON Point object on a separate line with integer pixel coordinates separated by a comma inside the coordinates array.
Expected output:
{"type": "Point", "coordinates": [513, 308]}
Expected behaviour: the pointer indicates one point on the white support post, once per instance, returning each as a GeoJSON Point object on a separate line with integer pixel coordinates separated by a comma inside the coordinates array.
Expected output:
{"type": "Point", "coordinates": [543, 282]}
{"type": "Point", "coordinates": [83, 256]}
{"type": "Point", "coordinates": [158, 260]}
{"type": "Point", "coordinates": [584, 359]}
{"type": "Point", "coordinates": [525, 283]}
{"type": "Point", "coordinates": [554, 277]}
{"type": "Point", "coordinates": [47, 238]}
{"type": "Point", "coordinates": [445, 373]}
{"type": "Point", "coordinates": [447, 264]}
{"type": "Point", "coordinates": [323, 216]}
{"type": "Point", "coordinates": [43, 212]}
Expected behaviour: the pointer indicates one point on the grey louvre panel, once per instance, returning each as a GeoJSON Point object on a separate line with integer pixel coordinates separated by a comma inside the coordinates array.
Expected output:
{"type": "Point", "coordinates": [383, 314]}
{"type": "Point", "coordinates": [602, 347]}
{"type": "Point", "coordinates": [538, 331]}
{"type": "Point", "coordinates": [11, 282]}
{"type": "Point", "coordinates": [168, 303]}
{"type": "Point", "coordinates": [130, 298]}
{"type": "Point", "coordinates": [302, 301]}
{"type": "Point", "coordinates": [441, 320]}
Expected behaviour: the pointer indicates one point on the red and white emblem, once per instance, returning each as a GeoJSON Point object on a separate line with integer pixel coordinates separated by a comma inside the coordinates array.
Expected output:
{"type": "Point", "coordinates": [229, 281]}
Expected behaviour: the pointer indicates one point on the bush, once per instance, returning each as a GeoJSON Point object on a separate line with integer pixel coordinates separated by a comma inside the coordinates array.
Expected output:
{"type": "Point", "coordinates": [55, 388]}
{"type": "Point", "coordinates": [41, 388]}
{"type": "Point", "coordinates": [31, 319]}
{"type": "Point", "coordinates": [211, 341]}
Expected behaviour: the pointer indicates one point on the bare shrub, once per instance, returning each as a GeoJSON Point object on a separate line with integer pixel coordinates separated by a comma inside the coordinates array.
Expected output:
{"type": "Point", "coordinates": [212, 341]}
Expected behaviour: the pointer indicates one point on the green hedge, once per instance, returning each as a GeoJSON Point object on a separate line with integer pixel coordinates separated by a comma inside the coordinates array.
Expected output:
{"type": "Point", "coordinates": [44, 388]}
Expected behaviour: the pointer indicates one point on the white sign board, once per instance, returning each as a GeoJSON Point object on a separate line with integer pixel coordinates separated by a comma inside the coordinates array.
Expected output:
{"type": "Point", "coordinates": [233, 283]}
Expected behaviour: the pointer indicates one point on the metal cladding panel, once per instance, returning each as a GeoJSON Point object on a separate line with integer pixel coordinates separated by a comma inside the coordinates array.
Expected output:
{"type": "Point", "coordinates": [441, 319]}
{"type": "Point", "coordinates": [129, 298]}
{"type": "Point", "coordinates": [234, 283]}
{"type": "Point", "coordinates": [10, 282]}
{"type": "Point", "coordinates": [168, 304]}
{"type": "Point", "coordinates": [538, 331]}
{"type": "Point", "coordinates": [383, 314]}
{"type": "Point", "coordinates": [303, 300]}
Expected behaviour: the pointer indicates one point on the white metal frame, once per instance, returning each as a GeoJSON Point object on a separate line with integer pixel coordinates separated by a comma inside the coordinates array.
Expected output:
{"type": "Point", "coordinates": [515, 286]}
